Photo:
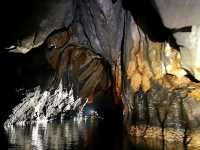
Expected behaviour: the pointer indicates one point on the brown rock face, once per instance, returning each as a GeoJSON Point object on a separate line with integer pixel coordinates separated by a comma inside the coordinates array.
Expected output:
{"type": "Point", "coordinates": [87, 71]}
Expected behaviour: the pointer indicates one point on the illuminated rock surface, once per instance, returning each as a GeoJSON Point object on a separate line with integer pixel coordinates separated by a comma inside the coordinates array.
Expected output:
{"type": "Point", "coordinates": [38, 106]}
{"type": "Point", "coordinates": [142, 52]}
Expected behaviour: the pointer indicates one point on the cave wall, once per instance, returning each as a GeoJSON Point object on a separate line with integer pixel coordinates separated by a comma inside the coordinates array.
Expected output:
{"type": "Point", "coordinates": [140, 50]}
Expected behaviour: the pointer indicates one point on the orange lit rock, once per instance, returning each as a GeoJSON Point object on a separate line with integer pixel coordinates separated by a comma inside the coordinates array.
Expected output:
{"type": "Point", "coordinates": [195, 93]}
{"type": "Point", "coordinates": [171, 105]}
{"type": "Point", "coordinates": [193, 140]}
{"type": "Point", "coordinates": [196, 73]}
{"type": "Point", "coordinates": [154, 59]}
{"type": "Point", "coordinates": [173, 82]}
{"type": "Point", "coordinates": [136, 81]}
{"type": "Point", "coordinates": [145, 83]}
{"type": "Point", "coordinates": [138, 69]}
{"type": "Point", "coordinates": [117, 77]}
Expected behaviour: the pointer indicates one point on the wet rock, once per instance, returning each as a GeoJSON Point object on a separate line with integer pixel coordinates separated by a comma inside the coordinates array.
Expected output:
{"type": "Point", "coordinates": [43, 106]}
{"type": "Point", "coordinates": [165, 105]}
{"type": "Point", "coordinates": [157, 89]}
{"type": "Point", "coordinates": [151, 66]}
{"type": "Point", "coordinates": [156, 143]}
{"type": "Point", "coordinates": [169, 112]}
{"type": "Point", "coordinates": [103, 23]}
{"type": "Point", "coordinates": [77, 66]}
{"type": "Point", "coordinates": [78, 72]}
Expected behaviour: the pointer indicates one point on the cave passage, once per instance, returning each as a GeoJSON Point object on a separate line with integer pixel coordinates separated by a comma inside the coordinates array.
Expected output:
{"type": "Point", "coordinates": [93, 72]}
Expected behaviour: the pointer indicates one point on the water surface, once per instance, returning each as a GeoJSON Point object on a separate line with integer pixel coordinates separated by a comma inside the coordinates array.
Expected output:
{"type": "Point", "coordinates": [77, 135]}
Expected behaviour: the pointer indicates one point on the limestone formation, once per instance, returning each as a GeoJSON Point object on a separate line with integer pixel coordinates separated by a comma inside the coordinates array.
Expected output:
{"type": "Point", "coordinates": [145, 52]}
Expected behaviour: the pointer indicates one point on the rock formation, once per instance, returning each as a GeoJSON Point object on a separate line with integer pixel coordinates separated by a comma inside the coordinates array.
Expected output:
{"type": "Point", "coordinates": [140, 50]}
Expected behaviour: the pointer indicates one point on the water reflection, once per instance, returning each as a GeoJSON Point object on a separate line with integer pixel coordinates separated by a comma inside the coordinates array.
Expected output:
{"type": "Point", "coordinates": [87, 134]}
{"type": "Point", "coordinates": [65, 135]}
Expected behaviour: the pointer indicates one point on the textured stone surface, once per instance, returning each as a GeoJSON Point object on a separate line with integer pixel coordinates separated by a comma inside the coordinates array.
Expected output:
{"type": "Point", "coordinates": [160, 96]}
{"type": "Point", "coordinates": [103, 23]}
{"type": "Point", "coordinates": [80, 76]}
{"type": "Point", "coordinates": [77, 66]}
{"type": "Point", "coordinates": [152, 70]}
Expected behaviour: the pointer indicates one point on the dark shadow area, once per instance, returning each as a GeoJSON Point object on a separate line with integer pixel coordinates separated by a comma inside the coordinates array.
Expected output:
{"type": "Point", "coordinates": [20, 18]}
{"type": "Point", "coordinates": [183, 29]}
{"type": "Point", "coordinates": [106, 107]}
{"type": "Point", "coordinates": [148, 19]}
{"type": "Point", "coordinates": [191, 77]}
{"type": "Point", "coordinates": [20, 73]}
{"type": "Point", "coordinates": [3, 139]}
{"type": "Point", "coordinates": [109, 133]}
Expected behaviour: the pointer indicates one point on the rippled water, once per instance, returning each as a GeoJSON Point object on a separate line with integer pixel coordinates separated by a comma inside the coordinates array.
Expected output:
{"type": "Point", "coordinates": [69, 135]}
{"type": "Point", "coordinates": [76, 135]}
